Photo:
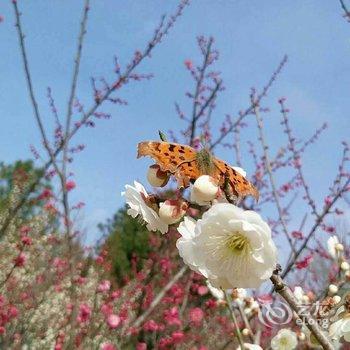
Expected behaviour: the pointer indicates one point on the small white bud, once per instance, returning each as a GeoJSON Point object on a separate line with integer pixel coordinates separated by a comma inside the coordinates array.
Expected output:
{"type": "Point", "coordinates": [339, 247]}
{"type": "Point", "coordinates": [204, 190]}
{"type": "Point", "coordinates": [156, 177]}
{"type": "Point", "coordinates": [345, 266]}
{"type": "Point", "coordinates": [336, 299]}
{"type": "Point", "coordinates": [172, 211]}
{"type": "Point", "coordinates": [332, 289]}
{"type": "Point", "coordinates": [245, 332]}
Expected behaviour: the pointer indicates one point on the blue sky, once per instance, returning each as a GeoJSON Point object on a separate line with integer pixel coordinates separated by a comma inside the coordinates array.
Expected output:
{"type": "Point", "coordinates": [251, 36]}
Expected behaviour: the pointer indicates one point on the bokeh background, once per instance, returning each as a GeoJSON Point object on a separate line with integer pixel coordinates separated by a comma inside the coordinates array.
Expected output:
{"type": "Point", "coordinates": [252, 38]}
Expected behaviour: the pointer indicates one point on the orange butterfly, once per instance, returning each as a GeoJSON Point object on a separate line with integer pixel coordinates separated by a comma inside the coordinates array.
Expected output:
{"type": "Point", "coordinates": [186, 164]}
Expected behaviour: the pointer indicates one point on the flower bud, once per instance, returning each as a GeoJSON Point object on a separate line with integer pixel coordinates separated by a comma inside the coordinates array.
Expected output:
{"type": "Point", "coordinates": [332, 289]}
{"type": "Point", "coordinates": [156, 177]}
{"type": "Point", "coordinates": [204, 190]}
{"type": "Point", "coordinates": [171, 211]}
{"type": "Point", "coordinates": [245, 332]}
{"type": "Point", "coordinates": [336, 299]}
{"type": "Point", "coordinates": [345, 266]}
{"type": "Point", "coordinates": [339, 247]}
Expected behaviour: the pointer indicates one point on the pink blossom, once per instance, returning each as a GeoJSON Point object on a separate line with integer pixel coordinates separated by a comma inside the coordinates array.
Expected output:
{"type": "Point", "coordinates": [328, 201]}
{"type": "Point", "coordinates": [108, 346]}
{"type": "Point", "coordinates": [45, 194]}
{"type": "Point", "coordinates": [297, 235]}
{"type": "Point", "coordinates": [164, 343]}
{"type": "Point", "coordinates": [116, 294]}
{"type": "Point", "coordinates": [196, 315]}
{"type": "Point", "coordinates": [202, 290]}
{"type": "Point", "coordinates": [12, 311]}
{"type": "Point", "coordinates": [20, 259]}
{"type": "Point", "coordinates": [104, 286]}
{"type": "Point", "coordinates": [188, 64]}
{"type": "Point", "coordinates": [151, 326]}
{"type": "Point", "coordinates": [171, 316]}
{"type": "Point", "coordinates": [84, 313]}
{"type": "Point", "coordinates": [141, 346]}
{"type": "Point", "coordinates": [178, 337]}
{"type": "Point", "coordinates": [100, 260]}
{"type": "Point", "coordinates": [107, 309]}
{"type": "Point", "coordinates": [113, 321]}
{"type": "Point", "coordinates": [26, 240]}
{"type": "Point", "coordinates": [304, 263]}
{"type": "Point", "coordinates": [70, 185]}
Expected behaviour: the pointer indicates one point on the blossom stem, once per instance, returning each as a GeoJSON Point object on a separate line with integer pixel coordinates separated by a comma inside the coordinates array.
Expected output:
{"type": "Point", "coordinates": [282, 289]}
{"type": "Point", "coordinates": [234, 319]}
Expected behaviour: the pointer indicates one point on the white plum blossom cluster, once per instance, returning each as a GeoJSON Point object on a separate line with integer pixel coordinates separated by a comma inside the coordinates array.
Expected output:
{"type": "Point", "coordinates": [229, 246]}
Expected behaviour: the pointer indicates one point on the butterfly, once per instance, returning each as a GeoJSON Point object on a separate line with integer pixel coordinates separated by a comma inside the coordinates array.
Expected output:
{"type": "Point", "coordinates": [187, 165]}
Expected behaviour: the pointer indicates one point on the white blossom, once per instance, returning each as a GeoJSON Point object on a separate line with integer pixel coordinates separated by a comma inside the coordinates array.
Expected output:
{"type": "Point", "coordinates": [333, 246]}
{"type": "Point", "coordinates": [229, 246]}
{"type": "Point", "coordinates": [284, 340]}
{"type": "Point", "coordinates": [216, 292]}
{"type": "Point", "coordinates": [135, 197]}
{"type": "Point", "coordinates": [341, 328]}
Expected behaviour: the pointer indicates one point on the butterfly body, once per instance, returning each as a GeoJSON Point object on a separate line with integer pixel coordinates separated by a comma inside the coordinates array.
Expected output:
{"type": "Point", "coordinates": [187, 164]}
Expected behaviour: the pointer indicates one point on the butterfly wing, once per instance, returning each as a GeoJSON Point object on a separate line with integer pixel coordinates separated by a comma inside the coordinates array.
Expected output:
{"type": "Point", "coordinates": [239, 185]}
{"type": "Point", "coordinates": [179, 160]}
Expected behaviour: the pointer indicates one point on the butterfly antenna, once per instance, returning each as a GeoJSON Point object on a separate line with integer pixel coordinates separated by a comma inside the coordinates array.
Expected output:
{"type": "Point", "coordinates": [162, 136]}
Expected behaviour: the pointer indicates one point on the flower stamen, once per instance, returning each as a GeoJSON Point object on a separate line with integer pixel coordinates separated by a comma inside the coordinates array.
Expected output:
{"type": "Point", "coordinates": [238, 243]}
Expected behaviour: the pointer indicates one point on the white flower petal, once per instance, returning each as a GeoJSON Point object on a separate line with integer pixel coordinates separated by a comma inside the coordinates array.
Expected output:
{"type": "Point", "coordinates": [232, 246]}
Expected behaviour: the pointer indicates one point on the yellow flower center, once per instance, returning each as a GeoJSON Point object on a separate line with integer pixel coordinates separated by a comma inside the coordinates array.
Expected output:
{"type": "Point", "coordinates": [237, 243]}
{"type": "Point", "coordinates": [284, 341]}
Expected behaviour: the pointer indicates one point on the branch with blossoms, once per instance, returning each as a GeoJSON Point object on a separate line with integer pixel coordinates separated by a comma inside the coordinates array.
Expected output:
{"type": "Point", "coordinates": [101, 94]}
{"type": "Point", "coordinates": [55, 293]}
{"type": "Point", "coordinates": [233, 248]}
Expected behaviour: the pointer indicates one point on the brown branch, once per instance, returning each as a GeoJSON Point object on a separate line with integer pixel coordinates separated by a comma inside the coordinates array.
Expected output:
{"type": "Point", "coordinates": [142, 318]}
{"type": "Point", "coordinates": [269, 171]}
{"type": "Point", "coordinates": [156, 39]}
{"type": "Point", "coordinates": [296, 157]}
{"type": "Point", "coordinates": [282, 289]}
{"type": "Point", "coordinates": [314, 228]}
{"type": "Point", "coordinates": [250, 109]}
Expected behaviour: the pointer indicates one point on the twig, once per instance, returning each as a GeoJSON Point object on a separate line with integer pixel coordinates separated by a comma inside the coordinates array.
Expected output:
{"type": "Point", "coordinates": [282, 289]}
{"type": "Point", "coordinates": [141, 319]}
{"type": "Point", "coordinates": [234, 319]}
{"type": "Point", "coordinates": [296, 157]}
{"type": "Point", "coordinates": [250, 109]}
{"type": "Point", "coordinates": [269, 170]}
{"type": "Point", "coordinates": [157, 37]}
{"type": "Point", "coordinates": [314, 228]}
